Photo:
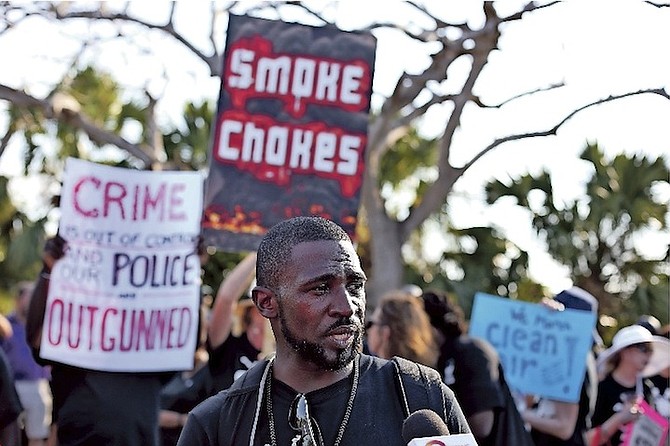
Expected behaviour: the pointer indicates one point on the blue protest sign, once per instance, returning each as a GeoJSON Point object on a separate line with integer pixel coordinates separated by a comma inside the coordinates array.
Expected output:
{"type": "Point", "coordinates": [543, 351]}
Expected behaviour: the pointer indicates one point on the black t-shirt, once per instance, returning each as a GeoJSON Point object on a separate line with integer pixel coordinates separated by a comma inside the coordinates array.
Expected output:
{"type": "Point", "coordinates": [611, 394]}
{"type": "Point", "coordinates": [376, 417]}
{"type": "Point", "coordinates": [181, 394]}
{"type": "Point", "coordinates": [660, 394]}
{"type": "Point", "coordinates": [660, 382]}
{"type": "Point", "coordinates": [232, 358]}
{"type": "Point", "coordinates": [101, 408]}
{"type": "Point", "coordinates": [470, 368]}
{"type": "Point", "coordinates": [327, 407]}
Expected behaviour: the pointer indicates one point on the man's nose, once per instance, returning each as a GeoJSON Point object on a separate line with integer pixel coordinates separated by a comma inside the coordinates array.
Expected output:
{"type": "Point", "coordinates": [343, 302]}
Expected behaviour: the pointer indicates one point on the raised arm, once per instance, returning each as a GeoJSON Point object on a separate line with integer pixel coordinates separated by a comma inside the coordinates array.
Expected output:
{"type": "Point", "coordinates": [562, 424]}
{"type": "Point", "coordinates": [231, 289]}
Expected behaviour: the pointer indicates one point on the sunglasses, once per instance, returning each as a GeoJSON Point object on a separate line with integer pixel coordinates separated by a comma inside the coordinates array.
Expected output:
{"type": "Point", "coordinates": [644, 348]}
{"type": "Point", "coordinates": [300, 420]}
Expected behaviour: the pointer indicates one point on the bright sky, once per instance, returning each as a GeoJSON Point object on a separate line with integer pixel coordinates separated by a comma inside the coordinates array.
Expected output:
{"type": "Point", "coordinates": [597, 48]}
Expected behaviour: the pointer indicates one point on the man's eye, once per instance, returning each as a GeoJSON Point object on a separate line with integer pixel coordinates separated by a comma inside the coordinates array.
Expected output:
{"type": "Point", "coordinates": [320, 289]}
{"type": "Point", "coordinates": [356, 287]}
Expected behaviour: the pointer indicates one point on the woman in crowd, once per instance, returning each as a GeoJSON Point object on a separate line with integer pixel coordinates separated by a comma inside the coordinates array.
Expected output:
{"type": "Point", "coordinates": [400, 327]}
{"type": "Point", "coordinates": [634, 355]}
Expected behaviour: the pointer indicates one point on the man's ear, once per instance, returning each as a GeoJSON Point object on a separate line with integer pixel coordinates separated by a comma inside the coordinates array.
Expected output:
{"type": "Point", "coordinates": [266, 301]}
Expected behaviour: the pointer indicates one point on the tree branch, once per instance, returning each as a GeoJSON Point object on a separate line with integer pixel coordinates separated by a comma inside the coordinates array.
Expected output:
{"type": "Point", "coordinates": [658, 5]}
{"type": "Point", "coordinates": [477, 101]}
{"type": "Point", "coordinates": [417, 112]}
{"type": "Point", "coordinates": [552, 131]}
{"type": "Point", "coordinates": [447, 175]}
{"type": "Point", "coordinates": [5, 140]}
{"type": "Point", "coordinates": [211, 61]}
{"type": "Point", "coordinates": [75, 119]}
{"type": "Point", "coordinates": [529, 7]}
{"type": "Point", "coordinates": [307, 10]}
{"type": "Point", "coordinates": [212, 38]}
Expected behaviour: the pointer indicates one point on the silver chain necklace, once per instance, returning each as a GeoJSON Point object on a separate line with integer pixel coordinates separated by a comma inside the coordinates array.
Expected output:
{"type": "Point", "coordinates": [266, 385]}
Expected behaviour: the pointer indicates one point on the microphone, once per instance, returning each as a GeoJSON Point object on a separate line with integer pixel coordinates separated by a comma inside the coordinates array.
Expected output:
{"type": "Point", "coordinates": [425, 428]}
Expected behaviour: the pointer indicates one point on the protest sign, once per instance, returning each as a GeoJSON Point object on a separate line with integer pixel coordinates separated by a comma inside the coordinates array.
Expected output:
{"type": "Point", "coordinates": [125, 296]}
{"type": "Point", "coordinates": [650, 429]}
{"type": "Point", "coordinates": [543, 351]}
{"type": "Point", "coordinates": [291, 129]}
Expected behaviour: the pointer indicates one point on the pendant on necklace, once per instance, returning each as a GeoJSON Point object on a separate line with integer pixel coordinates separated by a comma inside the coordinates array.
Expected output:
{"type": "Point", "coordinates": [303, 438]}
{"type": "Point", "coordinates": [299, 440]}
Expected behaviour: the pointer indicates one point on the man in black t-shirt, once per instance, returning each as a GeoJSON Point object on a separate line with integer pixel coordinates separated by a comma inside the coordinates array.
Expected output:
{"type": "Point", "coordinates": [318, 389]}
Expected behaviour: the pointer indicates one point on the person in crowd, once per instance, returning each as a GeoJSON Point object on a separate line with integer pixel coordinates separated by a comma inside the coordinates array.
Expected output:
{"type": "Point", "coordinates": [94, 407]}
{"type": "Point", "coordinates": [318, 389]}
{"type": "Point", "coordinates": [399, 327]}
{"type": "Point", "coordinates": [634, 354]}
{"type": "Point", "coordinates": [31, 379]}
{"type": "Point", "coordinates": [188, 388]}
{"type": "Point", "coordinates": [561, 423]}
{"type": "Point", "coordinates": [237, 334]}
{"type": "Point", "coordinates": [10, 405]}
{"type": "Point", "coordinates": [659, 383]}
{"type": "Point", "coordinates": [469, 366]}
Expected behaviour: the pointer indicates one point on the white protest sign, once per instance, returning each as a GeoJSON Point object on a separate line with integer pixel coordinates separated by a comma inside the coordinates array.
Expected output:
{"type": "Point", "coordinates": [125, 297]}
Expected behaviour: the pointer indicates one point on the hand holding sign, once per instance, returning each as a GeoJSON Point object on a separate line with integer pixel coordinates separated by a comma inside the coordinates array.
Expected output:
{"type": "Point", "coordinates": [54, 249]}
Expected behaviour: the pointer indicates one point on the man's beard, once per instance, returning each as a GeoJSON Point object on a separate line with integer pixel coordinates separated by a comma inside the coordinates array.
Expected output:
{"type": "Point", "coordinates": [316, 354]}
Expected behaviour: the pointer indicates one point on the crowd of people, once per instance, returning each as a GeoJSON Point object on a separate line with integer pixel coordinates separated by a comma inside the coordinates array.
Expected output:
{"type": "Point", "coordinates": [288, 355]}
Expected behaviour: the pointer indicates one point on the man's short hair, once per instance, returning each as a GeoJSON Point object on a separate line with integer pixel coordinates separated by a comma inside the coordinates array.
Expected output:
{"type": "Point", "coordinates": [275, 248]}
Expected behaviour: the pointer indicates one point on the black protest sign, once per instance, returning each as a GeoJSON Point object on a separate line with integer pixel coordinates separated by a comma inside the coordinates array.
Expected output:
{"type": "Point", "coordinates": [291, 129]}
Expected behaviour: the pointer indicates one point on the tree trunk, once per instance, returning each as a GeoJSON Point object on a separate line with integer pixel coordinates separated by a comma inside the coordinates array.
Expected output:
{"type": "Point", "coordinates": [386, 271]}
{"type": "Point", "coordinates": [386, 255]}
